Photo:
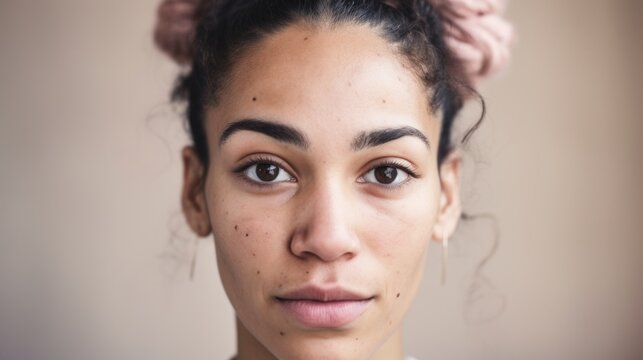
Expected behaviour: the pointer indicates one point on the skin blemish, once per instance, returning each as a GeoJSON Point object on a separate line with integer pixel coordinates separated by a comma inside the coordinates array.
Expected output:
{"type": "Point", "coordinates": [254, 98]}
{"type": "Point", "coordinates": [282, 333]}
{"type": "Point", "coordinates": [306, 38]}
{"type": "Point", "coordinates": [356, 339]}
{"type": "Point", "coordinates": [236, 227]}
{"type": "Point", "coordinates": [350, 83]}
{"type": "Point", "coordinates": [398, 295]}
{"type": "Point", "coordinates": [259, 272]}
{"type": "Point", "coordinates": [254, 254]}
{"type": "Point", "coordinates": [281, 285]}
{"type": "Point", "coordinates": [246, 234]}
{"type": "Point", "coordinates": [307, 272]}
{"type": "Point", "coordinates": [383, 101]}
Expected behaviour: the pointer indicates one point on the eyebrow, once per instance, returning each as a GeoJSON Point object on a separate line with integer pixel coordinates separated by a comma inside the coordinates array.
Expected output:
{"type": "Point", "coordinates": [382, 136]}
{"type": "Point", "coordinates": [290, 135]}
{"type": "Point", "coordinates": [280, 132]}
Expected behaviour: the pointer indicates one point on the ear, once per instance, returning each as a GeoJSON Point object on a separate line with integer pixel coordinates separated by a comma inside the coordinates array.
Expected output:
{"type": "Point", "coordinates": [450, 205]}
{"type": "Point", "coordinates": [193, 201]}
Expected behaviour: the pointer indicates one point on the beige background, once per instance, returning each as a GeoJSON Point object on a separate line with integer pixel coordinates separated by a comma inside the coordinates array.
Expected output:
{"type": "Point", "coordinates": [94, 254]}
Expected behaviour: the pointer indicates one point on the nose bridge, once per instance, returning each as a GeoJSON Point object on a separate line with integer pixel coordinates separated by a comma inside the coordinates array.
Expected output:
{"type": "Point", "coordinates": [327, 231]}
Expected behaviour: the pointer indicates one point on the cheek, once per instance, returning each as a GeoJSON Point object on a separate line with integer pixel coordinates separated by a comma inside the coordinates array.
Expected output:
{"type": "Point", "coordinates": [402, 226]}
{"type": "Point", "coordinates": [248, 240]}
{"type": "Point", "coordinates": [398, 233]}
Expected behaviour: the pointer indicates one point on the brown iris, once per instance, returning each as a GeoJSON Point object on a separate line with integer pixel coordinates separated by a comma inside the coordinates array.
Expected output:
{"type": "Point", "coordinates": [267, 172]}
{"type": "Point", "coordinates": [385, 174]}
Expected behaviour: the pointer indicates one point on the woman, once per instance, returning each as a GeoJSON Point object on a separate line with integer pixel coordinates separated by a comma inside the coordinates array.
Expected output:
{"type": "Point", "coordinates": [322, 160]}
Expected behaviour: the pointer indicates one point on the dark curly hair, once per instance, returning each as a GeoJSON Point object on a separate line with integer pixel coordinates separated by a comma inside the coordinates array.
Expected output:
{"type": "Point", "coordinates": [225, 28]}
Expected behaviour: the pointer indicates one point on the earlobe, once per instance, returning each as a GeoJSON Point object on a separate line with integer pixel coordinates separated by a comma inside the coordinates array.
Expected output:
{"type": "Point", "coordinates": [450, 204]}
{"type": "Point", "coordinates": [193, 200]}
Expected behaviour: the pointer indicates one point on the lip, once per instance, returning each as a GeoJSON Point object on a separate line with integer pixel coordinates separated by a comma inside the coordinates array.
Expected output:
{"type": "Point", "coordinates": [317, 307]}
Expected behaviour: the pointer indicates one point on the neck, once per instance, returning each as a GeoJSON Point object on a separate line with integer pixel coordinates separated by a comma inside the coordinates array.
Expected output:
{"type": "Point", "coordinates": [248, 347]}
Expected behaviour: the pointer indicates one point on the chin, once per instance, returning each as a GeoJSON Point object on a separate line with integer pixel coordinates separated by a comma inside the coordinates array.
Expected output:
{"type": "Point", "coordinates": [342, 347]}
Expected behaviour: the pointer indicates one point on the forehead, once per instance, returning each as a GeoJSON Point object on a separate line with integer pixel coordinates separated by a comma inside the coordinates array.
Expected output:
{"type": "Point", "coordinates": [314, 75]}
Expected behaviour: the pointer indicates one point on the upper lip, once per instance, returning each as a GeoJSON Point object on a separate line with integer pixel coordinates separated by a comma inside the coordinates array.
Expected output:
{"type": "Point", "coordinates": [316, 293]}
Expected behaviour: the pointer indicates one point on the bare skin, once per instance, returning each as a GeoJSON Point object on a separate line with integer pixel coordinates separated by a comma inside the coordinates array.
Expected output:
{"type": "Point", "coordinates": [324, 207]}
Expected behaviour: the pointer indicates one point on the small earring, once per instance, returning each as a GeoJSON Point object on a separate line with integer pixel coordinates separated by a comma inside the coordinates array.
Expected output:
{"type": "Point", "coordinates": [445, 256]}
{"type": "Point", "coordinates": [195, 252]}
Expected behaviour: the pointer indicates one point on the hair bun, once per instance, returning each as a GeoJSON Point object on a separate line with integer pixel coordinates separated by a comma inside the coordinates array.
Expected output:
{"type": "Point", "coordinates": [477, 34]}
{"type": "Point", "coordinates": [176, 27]}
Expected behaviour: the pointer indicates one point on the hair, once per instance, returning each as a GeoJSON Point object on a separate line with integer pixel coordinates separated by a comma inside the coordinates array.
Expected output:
{"type": "Point", "coordinates": [227, 28]}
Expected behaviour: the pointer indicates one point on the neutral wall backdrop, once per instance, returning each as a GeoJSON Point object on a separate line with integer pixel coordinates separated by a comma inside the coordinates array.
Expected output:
{"type": "Point", "coordinates": [95, 256]}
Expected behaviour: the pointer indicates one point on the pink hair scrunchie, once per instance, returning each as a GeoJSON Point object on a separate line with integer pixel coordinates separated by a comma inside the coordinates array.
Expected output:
{"type": "Point", "coordinates": [477, 34]}
{"type": "Point", "coordinates": [176, 28]}
{"type": "Point", "coordinates": [474, 31]}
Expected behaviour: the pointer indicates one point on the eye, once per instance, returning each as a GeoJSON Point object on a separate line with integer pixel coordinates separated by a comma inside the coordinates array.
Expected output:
{"type": "Point", "coordinates": [266, 173]}
{"type": "Point", "coordinates": [388, 175]}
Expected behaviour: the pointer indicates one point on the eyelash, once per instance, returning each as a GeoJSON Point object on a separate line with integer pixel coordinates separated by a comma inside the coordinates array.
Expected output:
{"type": "Point", "coordinates": [255, 161]}
{"type": "Point", "coordinates": [398, 165]}
{"type": "Point", "coordinates": [265, 160]}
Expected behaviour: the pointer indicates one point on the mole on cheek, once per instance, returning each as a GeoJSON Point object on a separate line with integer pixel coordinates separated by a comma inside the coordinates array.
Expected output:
{"type": "Point", "coordinates": [282, 333]}
{"type": "Point", "coordinates": [254, 98]}
{"type": "Point", "coordinates": [398, 295]}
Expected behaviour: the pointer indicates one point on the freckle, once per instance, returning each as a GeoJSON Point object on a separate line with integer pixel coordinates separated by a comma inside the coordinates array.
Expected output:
{"type": "Point", "coordinates": [306, 38]}
{"type": "Point", "coordinates": [236, 227]}
{"type": "Point", "coordinates": [350, 83]}
{"type": "Point", "coordinates": [390, 322]}
{"type": "Point", "coordinates": [281, 285]}
{"type": "Point", "coordinates": [383, 101]}
{"type": "Point", "coordinates": [253, 254]}
{"type": "Point", "coordinates": [307, 272]}
{"type": "Point", "coordinates": [246, 234]}
{"type": "Point", "coordinates": [356, 339]}
{"type": "Point", "coordinates": [282, 333]}
{"type": "Point", "coordinates": [254, 99]}
{"type": "Point", "coordinates": [398, 295]}
{"type": "Point", "coordinates": [259, 272]}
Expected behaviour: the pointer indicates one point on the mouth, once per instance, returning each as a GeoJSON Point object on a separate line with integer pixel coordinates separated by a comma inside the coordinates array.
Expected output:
{"type": "Point", "coordinates": [315, 307]}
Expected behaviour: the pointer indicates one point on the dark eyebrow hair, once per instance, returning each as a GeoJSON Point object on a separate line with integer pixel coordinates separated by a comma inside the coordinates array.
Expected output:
{"type": "Point", "coordinates": [291, 135]}
{"type": "Point", "coordinates": [280, 132]}
{"type": "Point", "coordinates": [382, 136]}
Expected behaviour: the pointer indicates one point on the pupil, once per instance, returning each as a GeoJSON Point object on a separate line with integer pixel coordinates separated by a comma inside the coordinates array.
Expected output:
{"type": "Point", "coordinates": [386, 175]}
{"type": "Point", "coordinates": [267, 172]}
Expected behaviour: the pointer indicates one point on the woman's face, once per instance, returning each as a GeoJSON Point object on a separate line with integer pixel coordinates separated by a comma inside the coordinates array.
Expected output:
{"type": "Point", "coordinates": [322, 193]}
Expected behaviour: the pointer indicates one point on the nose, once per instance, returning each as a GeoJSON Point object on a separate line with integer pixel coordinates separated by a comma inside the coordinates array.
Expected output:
{"type": "Point", "coordinates": [326, 231]}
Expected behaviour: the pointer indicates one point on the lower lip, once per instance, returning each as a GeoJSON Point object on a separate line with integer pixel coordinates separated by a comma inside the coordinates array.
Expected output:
{"type": "Point", "coordinates": [324, 314]}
